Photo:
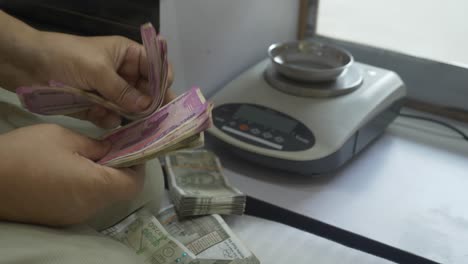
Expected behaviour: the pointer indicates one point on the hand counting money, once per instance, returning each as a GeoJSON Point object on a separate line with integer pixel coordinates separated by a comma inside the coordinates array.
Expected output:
{"type": "Point", "coordinates": [155, 131]}
{"type": "Point", "coordinates": [61, 99]}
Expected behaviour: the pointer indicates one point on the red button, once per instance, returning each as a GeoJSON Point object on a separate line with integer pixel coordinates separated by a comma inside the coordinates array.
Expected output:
{"type": "Point", "coordinates": [243, 127]}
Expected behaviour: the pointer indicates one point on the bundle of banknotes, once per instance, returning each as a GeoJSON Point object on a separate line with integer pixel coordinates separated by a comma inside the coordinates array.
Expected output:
{"type": "Point", "coordinates": [155, 131]}
{"type": "Point", "coordinates": [168, 239]}
{"type": "Point", "coordinates": [61, 99]}
{"type": "Point", "coordinates": [177, 125]}
{"type": "Point", "coordinates": [197, 185]}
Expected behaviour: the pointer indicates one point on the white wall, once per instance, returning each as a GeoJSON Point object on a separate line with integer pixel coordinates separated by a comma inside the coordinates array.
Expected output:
{"type": "Point", "coordinates": [431, 29]}
{"type": "Point", "coordinates": [212, 41]}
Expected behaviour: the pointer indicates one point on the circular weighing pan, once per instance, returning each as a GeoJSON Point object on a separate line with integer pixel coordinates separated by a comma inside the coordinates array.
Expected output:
{"type": "Point", "coordinates": [309, 61]}
{"type": "Point", "coordinates": [346, 83]}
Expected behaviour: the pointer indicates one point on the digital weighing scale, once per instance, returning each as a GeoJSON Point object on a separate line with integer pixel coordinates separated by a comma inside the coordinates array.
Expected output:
{"type": "Point", "coordinates": [307, 109]}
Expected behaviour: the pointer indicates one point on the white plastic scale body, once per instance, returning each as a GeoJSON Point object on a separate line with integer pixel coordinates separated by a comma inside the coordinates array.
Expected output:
{"type": "Point", "coordinates": [306, 135]}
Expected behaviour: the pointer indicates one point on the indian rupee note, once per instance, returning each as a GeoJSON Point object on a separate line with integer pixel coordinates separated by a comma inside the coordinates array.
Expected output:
{"type": "Point", "coordinates": [143, 134]}
{"type": "Point", "coordinates": [208, 237]}
{"type": "Point", "coordinates": [60, 99]}
{"type": "Point", "coordinates": [198, 186]}
{"type": "Point", "coordinates": [143, 233]}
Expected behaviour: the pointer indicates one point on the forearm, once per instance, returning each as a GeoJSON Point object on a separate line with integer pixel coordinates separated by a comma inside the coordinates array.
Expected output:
{"type": "Point", "coordinates": [19, 56]}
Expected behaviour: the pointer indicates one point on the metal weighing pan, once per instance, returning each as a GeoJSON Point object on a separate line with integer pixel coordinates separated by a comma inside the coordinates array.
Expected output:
{"type": "Point", "coordinates": [309, 61]}
{"type": "Point", "coordinates": [344, 84]}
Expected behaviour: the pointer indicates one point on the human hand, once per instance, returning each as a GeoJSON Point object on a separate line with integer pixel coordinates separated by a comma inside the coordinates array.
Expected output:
{"type": "Point", "coordinates": [115, 67]}
{"type": "Point", "coordinates": [48, 176]}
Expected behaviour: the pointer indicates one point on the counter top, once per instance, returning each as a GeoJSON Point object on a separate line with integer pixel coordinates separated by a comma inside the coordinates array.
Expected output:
{"type": "Point", "coordinates": [407, 190]}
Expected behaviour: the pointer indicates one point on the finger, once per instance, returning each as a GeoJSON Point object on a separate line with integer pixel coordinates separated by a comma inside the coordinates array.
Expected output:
{"type": "Point", "coordinates": [103, 117]}
{"type": "Point", "coordinates": [129, 67]}
{"type": "Point", "coordinates": [121, 184]}
{"type": "Point", "coordinates": [110, 121]}
{"type": "Point", "coordinates": [116, 89]}
{"type": "Point", "coordinates": [95, 111]}
{"type": "Point", "coordinates": [170, 76]}
{"type": "Point", "coordinates": [170, 95]}
{"type": "Point", "coordinates": [143, 85]}
{"type": "Point", "coordinates": [143, 63]}
{"type": "Point", "coordinates": [87, 147]}
{"type": "Point", "coordinates": [99, 116]}
{"type": "Point", "coordinates": [82, 115]}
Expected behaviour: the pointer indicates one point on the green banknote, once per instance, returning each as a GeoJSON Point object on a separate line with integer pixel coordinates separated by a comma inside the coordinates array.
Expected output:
{"type": "Point", "coordinates": [143, 233]}
{"type": "Point", "coordinates": [208, 237]}
{"type": "Point", "coordinates": [197, 185]}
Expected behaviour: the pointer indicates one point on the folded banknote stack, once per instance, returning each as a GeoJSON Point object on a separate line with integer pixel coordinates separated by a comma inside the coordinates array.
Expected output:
{"type": "Point", "coordinates": [197, 185]}
{"type": "Point", "coordinates": [153, 132]}
{"type": "Point", "coordinates": [168, 239]}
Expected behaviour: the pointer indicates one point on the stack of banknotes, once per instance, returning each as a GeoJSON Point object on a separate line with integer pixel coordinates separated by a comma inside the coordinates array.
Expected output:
{"type": "Point", "coordinates": [168, 239]}
{"type": "Point", "coordinates": [197, 185]}
{"type": "Point", "coordinates": [155, 131]}
{"type": "Point", "coordinates": [61, 99]}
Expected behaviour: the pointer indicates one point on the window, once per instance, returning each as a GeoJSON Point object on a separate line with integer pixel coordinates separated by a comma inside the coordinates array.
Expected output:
{"type": "Point", "coordinates": [431, 29]}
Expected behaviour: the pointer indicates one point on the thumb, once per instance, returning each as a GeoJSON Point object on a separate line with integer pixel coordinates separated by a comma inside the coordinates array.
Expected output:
{"type": "Point", "coordinates": [116, 89]}
{"type": "Point", "coordinates": [89, 148]}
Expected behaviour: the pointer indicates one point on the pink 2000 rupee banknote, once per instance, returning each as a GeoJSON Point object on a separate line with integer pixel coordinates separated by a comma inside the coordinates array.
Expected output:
{"type": "Point", "coordinates": [149, 131]}
{"type": "Point", "coordinates": [46, 100]}
{"type": "Point", "coordinates": [152, 48]}
{"type": "Point", "coordinates": [58, 99]}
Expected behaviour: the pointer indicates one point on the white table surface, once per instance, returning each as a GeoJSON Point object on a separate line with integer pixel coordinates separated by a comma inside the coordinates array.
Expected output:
{"type": "Point", "coordinates": [275, 243]}
{"type": "Point", "coordinates": [408, 190]}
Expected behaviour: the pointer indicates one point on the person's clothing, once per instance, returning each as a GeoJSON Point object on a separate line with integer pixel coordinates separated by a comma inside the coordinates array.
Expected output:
{"type": "Point", "coordinates": [83, 244]}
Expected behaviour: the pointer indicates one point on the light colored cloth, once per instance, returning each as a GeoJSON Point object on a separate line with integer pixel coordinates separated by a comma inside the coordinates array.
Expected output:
{"type": "Point", "coordinates": [150, 197]}
{"type": "Point", "coordinates": [24, 244]}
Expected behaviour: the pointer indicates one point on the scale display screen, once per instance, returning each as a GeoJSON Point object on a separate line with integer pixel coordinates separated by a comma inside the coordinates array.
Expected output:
{"type": "Point", "coordinates": [261, 126]}
{"type": "Point", "coordinates": [265, 118]}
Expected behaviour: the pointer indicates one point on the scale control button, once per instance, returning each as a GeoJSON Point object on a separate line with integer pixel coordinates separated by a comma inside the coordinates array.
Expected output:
{"type": "Point", "coordinates": [279, 139]}
{"type": "Point", "coordinates": [232, 123]}
{"type": "Point", "coordinates": [267, 135]}
{"type": "Point", "coordinates": [243, 127]}
{"type": "Point", "coordinates": [303, 140]}
{"type": "Point", "coordinates": [255, 131]}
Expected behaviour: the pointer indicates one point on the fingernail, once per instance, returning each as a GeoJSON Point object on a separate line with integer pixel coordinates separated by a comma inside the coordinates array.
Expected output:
{"type": "Point", "coordinates": [143, 102]}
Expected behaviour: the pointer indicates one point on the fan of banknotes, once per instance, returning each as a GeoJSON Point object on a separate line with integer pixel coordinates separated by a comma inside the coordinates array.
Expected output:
{"type": "Point", "coordinates": [197, 185]}
{"type": "Point", "coordinates": [61, 99]}
{"type": "Point", "coordinates": [168, 239]}
{"type": "Point", "coordinates": [157, 130]}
